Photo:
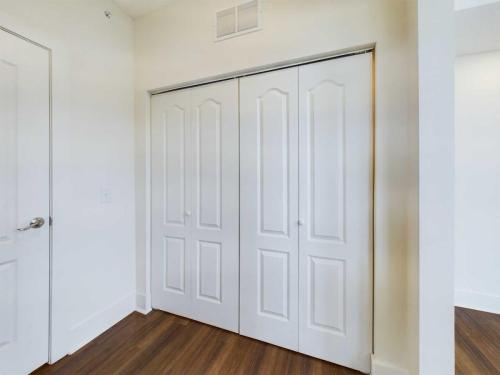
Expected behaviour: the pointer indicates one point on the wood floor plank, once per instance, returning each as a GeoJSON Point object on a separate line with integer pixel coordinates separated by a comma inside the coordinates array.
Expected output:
{"type": "Point", "coordinates": [162, 343]}
{"type": "Point", "coordinates": [477, 342]}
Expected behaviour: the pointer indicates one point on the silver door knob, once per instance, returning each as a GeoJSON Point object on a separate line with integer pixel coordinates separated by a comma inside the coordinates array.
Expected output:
{"type": "Point", "coordinates": [36, 223]}
{"type": "Point", "coordinates": [187, 213]}
{"type": "Point", "coordinates": [300, 222]}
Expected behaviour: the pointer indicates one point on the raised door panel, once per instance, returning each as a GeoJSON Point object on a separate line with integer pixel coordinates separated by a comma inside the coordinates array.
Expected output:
{"type": "Point", "coordinates": [9, 288]}
{"type": "Point", "coordinates": [269, 207]}
{"type": "Point", "coordinates": [326, 308]}
{"type": "Point", "coordinates": [326, 147]}
{"type": "Point", "coordinates": [8, 303]}
{"type": "Point", "coordinates": [8, 151]}
{"type": "Point", "coordinates": [215, 197]}
{"type": "Point", "coordinates": [336, 188]}
{"type": "Point", "coordinates": [273, 162]}
{"type": "Point", "coordinates": [273, 279]}
{"type": "Point", "coordinates": [209, 272]}
{"type": "Point", "coordinates": [174, 260]}
{"type": "Point", "coordinates": [208, 147]}
{"type": "Point", "coordinates": [174, 142]}
{"type": "Point", "coordinates": [171, 233]}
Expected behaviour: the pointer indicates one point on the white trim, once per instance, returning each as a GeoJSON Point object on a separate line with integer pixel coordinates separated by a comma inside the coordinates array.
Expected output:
{"type": "Point", "coordinates": [148, 191]}
{"type": "Point", "coordinates": [366, 48]}
{"type": "Point", "coordinates": [94, 325]}
{"type": "Point", "coordinates": [477, 301]}
{"type": "Point", "coordinates": [141, 304]}
{"type": "Point", "coordinates": [380, 367]}
{"type": "Point", "coordinates": [143, 311]}
{"type": "Point", "coordinates": [236, 34]}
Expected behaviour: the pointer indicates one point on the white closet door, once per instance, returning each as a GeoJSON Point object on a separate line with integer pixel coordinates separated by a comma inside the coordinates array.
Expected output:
{"type": "Point", "coordinates": [269, 207]}
{"type": "Point", "coordinates": [336, 187]}
{"type": "Point", "coordinates": [171, 203]}
{"type": "Point", "coordinates": [215, 197]}
{"type": "Point", "coordinates": [195, 211]}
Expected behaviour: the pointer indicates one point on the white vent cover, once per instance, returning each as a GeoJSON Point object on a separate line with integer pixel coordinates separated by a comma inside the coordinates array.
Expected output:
{"type": "Point", "coordinates": [237, 20]}
{"type": "Point", "coordinates": [226, 22]}
{"type": "Point", "coordinates": [248, 16]}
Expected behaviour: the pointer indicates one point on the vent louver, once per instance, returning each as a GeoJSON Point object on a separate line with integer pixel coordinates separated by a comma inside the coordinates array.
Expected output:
{"type": "Point", "coordinates": [226, 22]}
{"type": "Point", "coordinates": [237, 20]}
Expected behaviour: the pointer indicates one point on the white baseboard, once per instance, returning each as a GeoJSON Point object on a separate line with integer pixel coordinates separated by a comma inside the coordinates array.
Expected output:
{"type": "Point", "coordinates": [384, 368]}
{"type": "Point", "coordinates": [91, 327]}
{"type": "Point", "coordinates": [141, 303]}
{"type": "Point", "coordinates": [477, 301]}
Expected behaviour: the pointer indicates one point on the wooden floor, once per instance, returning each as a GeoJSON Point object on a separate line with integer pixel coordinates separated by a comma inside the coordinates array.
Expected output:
{"type": "Point", "coordinates": [477, 342]}
{"type": "Point", "coordinates": [161, 343]}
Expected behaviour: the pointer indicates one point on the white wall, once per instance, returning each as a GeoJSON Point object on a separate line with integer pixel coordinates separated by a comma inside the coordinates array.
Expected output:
{"type": "Point", "coordinates": [93, 133]}
{"type": "Point", "coordinates": [436, 53]}
{"type": "Point", "coordinates": [477, 73]}
{"type": "Point", "coordinates": [478, 181]}
{"type": "Point", "coordinates": [430, 330]}
{"type": "Point", "coordinates": [176, 44]}
{"type": "Point", "coordinates": [413, 279]}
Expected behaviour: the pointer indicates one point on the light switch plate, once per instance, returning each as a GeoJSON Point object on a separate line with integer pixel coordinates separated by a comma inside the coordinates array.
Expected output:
{"type": "Point", "coordinates": [105, 195]}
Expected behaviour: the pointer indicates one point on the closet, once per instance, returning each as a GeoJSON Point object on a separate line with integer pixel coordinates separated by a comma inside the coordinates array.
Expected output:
{"type": "Point", "coordinates": [262, 217]}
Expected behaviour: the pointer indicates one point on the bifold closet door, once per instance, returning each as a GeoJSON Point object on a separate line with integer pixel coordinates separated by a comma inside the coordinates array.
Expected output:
{"type": "Point", "coordinates": [195, 203]}
{"type": "Point", "coordinates": [336, 187]}
{"type": "Point", "coordinates": [306, 209]}
{"type": "Point", "coordinates": [171, 258]}
{"type": "Point", "coordinates": [269, 207]}
{"type": "Point", "coordinates": [215, 194]}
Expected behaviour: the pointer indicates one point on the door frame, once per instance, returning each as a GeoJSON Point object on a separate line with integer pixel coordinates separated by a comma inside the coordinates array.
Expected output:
{"type": "Point", "coordinates": [363, 49]}
{"type": "Point", "coordinates": [51, 185]}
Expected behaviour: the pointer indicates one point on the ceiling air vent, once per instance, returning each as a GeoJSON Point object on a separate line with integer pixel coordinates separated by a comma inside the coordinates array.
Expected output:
{"type": "Point", "coordinates": [237, 20]}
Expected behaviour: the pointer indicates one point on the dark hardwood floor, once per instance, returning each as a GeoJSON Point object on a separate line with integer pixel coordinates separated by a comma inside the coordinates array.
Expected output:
{"type": "Point", "coordinates": [477, 342]}
{"type": "Point", "coordinates": [162, 343]}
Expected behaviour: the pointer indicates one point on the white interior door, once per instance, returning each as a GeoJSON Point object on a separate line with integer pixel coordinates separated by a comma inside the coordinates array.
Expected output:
{"type": "Point", "coordinates": [196, 203]}
{"type": "Point", "coordinates": [24, 196]}
{"type": "Point", "coordinates": [269, 207]}
{"type": "Point", "coordinates": [336, 188]}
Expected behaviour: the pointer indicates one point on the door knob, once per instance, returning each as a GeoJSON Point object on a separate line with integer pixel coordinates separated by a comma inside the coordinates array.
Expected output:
{"type": "Point", "coordinates": [36, 223]}
{"type": "Point", "coordinates": [300, 222]}
{"type": "Point", "coordinates": [188, 213]}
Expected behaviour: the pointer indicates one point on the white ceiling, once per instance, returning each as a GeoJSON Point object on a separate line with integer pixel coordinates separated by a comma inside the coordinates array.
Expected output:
{"type": "Point", "coordinates": [137, 8]}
